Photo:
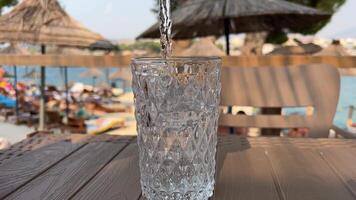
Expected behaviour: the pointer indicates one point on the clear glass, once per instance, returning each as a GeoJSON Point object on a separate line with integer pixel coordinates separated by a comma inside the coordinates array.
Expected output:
{"type": "Point", "coordinates": [177, 110]}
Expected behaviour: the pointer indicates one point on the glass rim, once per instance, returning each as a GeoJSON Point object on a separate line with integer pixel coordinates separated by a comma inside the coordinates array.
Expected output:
{"type": "Point", "coordinates": [175, 59]}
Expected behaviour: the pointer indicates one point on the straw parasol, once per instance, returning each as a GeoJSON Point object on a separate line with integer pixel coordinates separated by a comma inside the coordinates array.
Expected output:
{"type": "Point", "coordinates": [92, 73]}
{"type": "Point", "coordinates": [181, 45]}
{"type": "Point", "coordinates": [45, 22]}
{"type": "Point", "coordinates": [33, 74]}
{"type": "Point", "coordinates": [301, 49]}
{"type": "Point", "coordinates": [123, 74]}
{"type": "Point", "coordinates": [14, 49]}
{"type": "Point", "coordinates": [203, 47]}
{"type": "Point", "coordinates": [221, 17]}
{"type": "Point", "coordinates": [336, 49]}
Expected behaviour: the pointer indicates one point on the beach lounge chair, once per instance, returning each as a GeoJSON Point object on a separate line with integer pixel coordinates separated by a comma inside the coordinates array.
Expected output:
{"type": "Point", "coordinates": [76, 125]}
{"type": "Point", "coordinates": [54, 120]}
{"type": "Point", "coordinates": [315, 86]}
{"type": "Point", "coordinates": [7, 106]}
{"type": "Point", "coordinates": [5, 112]}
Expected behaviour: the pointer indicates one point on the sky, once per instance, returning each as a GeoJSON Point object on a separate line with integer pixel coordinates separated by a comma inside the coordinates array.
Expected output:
{"type": "Point", "coordinates": [126, 19]}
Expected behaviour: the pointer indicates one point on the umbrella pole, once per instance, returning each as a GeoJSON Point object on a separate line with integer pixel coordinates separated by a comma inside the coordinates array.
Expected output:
{"type": "Point", "coordinates": [107, 74]}
{"type": "Point", "coordinates": [42, 100]}
{"type": "Point", "coordinates": [66, 88]}
{"type": "Point", "coordinates": [16, 94]}
{"type": "Point", "coordinates": [227, 35]}
{"type": "Point", "coordinates": [227, 38]}
{"type": "Point", "coordinates": [94, 81]}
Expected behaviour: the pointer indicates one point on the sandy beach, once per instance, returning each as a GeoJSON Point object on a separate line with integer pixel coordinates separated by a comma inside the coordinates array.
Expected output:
{"type": "Point", "coordinates": [14, 133]}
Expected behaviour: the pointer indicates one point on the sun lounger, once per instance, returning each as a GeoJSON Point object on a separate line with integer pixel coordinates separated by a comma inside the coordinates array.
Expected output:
{"type": "Point", "coordinates": [275, 87]}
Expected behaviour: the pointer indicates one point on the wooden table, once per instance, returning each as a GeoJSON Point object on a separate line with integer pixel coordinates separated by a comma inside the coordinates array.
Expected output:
{"type": "Point", "coordinates": [106, 167]}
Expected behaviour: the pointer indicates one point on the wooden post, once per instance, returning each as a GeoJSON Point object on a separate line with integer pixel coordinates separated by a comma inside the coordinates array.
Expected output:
{"type": "Point", "coordinates": [66, 91]}
{"type": "Point", "coordinates": [43, 94]}
{"type": "Point", "coordinates": [16, 93]}
{"type": "Point", "coordinates": [94, 81]}
{"type": "Point", "coordinates": [227, 35]}
{"type": "Point", "coordinates": [271, 131]}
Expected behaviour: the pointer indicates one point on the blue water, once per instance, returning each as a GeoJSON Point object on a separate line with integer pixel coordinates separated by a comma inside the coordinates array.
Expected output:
{"type": "Point", "coordinates": [347, 98]}
{"type": "Point", "coordinates": [55, 77]}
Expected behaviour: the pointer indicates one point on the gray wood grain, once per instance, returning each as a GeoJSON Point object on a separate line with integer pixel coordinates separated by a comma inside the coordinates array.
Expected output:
{"type": "Point", "coordinates": [246, 175]}
{"type": "Point", "coordinates": [63, 180]}
{"type": "Point", "coordinates": [247, 168]}
{"type": "Point", "coordinates": [303, 174]}
{"type": "Point", "coordinates": [279, 87]}
{"type": "Point", "coordinates": [343, 162]}
{"type": "Point", "coordinates": [29, 144]}
{"type": "Point", "coordinates": [118, 180]}
{"type": "Point", "coordinates": [19, 171]}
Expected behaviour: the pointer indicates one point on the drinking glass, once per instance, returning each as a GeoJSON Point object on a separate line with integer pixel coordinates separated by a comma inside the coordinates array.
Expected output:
{"type": "Point", "coordinates": [177, 110]}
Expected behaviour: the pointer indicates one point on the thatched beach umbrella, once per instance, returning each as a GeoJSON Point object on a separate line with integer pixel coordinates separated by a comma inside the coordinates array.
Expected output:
{"type": "Point", "coordinates": [181, 45]}
{"type": "Point", "coordinates": [301, 49]}
{"type": "Point", "coordinates": [336, 49]}
{"type": "Point", "coordinates": [221, 17]}
{"type": "Point", "coordinates": [93, 73]}
{"type": "Point", "coordinates": [123, 74]}
{"type": "Point", "coordinates": [33, 74]}
{"type": "Point", "coordinates": [203, 47]}
{"type": "Point", "coordinates": [45, 22]}
{"type": "Point", "coordinates": [16, 50]}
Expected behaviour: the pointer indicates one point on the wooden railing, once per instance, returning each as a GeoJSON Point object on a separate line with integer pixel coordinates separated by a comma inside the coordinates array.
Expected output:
{"type": "Point", "coordinates": [124, 61]}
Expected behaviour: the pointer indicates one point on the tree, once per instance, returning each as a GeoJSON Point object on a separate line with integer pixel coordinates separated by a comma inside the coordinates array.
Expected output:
{"type": "Point", "coordinates": [330, 6]}
{"type": "Point", "coordinates": [7, 3]}
{"type": "Point", "coordinates": [280, 36]}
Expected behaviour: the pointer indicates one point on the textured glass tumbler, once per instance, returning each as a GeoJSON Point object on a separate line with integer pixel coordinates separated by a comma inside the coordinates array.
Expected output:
{"type": "Point", "coordinates": [177, 110]}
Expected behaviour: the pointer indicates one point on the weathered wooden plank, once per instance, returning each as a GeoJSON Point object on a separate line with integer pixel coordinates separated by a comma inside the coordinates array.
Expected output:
{"type": "Point", "coordinates": [281, 61]}
{"type": "Point", "coordinates": [66, 60]}
{"type": "Point", "coordinates": [66, 178]}
{"type": "Point", "coordinates": [303, 174]}
{"type": "Point", "coordinates": [19, 171]}
{"type": "Point", "coordinates": [124, 61]}
{"type": "Point", "coordinates": [27, 145]}
{"type": "Point", "coordinates": [343, 162]}
{"type": "Point", "coordinates": [246, 174]}
{"type": "Point", "coordinates": [120, 179]}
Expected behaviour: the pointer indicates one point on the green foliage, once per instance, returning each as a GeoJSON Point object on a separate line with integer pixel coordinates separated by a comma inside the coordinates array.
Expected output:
{"type": "Point", "coordinates": [220, 46]}
{"type": "Point", "coordinates": [7, 3]}
{"type": "Point", "coordinates": [151, 46]}
{"type": "Point", "coordinates": [330, 6]}
{"type": "Point", "coordinates": [116, 48]}
{"type": "Point", "coordinates": [325, 5]}
{"type": "Point", "coordinates": [277, 37]}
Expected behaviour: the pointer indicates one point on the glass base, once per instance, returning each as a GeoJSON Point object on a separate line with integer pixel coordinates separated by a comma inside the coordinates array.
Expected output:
{"type": "Point", "coordinates": [204, 194]}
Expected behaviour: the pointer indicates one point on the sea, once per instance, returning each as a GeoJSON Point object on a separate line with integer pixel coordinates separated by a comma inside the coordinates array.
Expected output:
{"type": "Point", "coordinates": [55, 76]}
